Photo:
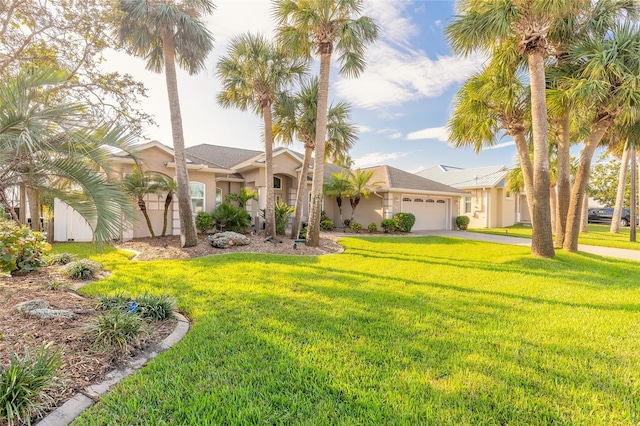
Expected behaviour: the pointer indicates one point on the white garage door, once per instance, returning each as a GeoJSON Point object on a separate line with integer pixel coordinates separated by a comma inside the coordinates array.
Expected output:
{"type": "Point", "coordinates": [430, 212]}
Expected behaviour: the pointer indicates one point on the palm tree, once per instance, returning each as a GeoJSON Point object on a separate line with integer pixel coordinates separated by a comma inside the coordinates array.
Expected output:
{"type": "Point", "coordinates": [296, 117]}
{"type": "Point", "coordinates": [51, 149]}
{"type": "Point", "coordinates": [629, 135]}
{"type": "Point", "coordinates": [243, 198]}
{"type": "Point", "coordinates": [338, 186]}
{"type": "Point", "coordinates": [139, 184]}
{"type": "Point", "coordinates": [308, 27]}
{"type": "Point", "coordinates": [361, 187]}
{"type": "Point", "coordinates": [164, 32]}
{"type": "Point", "coordinates": [253, 74]}
{"type": "Point", "coordinates": [168, 185]}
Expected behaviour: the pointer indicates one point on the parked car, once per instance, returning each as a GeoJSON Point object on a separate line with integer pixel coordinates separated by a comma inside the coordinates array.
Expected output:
{"type": "Point", "coordinates": [604, 216]}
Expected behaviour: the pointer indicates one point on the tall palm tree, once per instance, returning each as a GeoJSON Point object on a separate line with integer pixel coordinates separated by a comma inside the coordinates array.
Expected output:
{"type": "Point", "coordinates": [296, 117]}
{"type": "Point", "coordinates": [253, 73]}
{"type": "Point", "coordinates": [339, 187]}
{"type": "Point", "coordinates": [51, 148]}
{"type": "Point", "coordinates": [138, 185]}
{"type": "Point", "coordinates": [164, 32]}
{"type": "Point", "coordinates": [308, 27]}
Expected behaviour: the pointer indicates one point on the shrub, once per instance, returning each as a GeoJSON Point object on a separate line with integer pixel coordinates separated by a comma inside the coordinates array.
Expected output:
{"type": "Point", "coordinates": [204, 222]}
{"type": "Point", "coordinates": [323, 216]}
{"type": "Point", "coordinates": [282, 211]}
{"type": "Point", "coordinates": [155, 307]}
{"type": "Point", "coordinates": [462, 222]}
{"type": "Point", "coordinates": [114, 330]}
{"type": "Point", "coordinates": [228, 217]}
{"type": "Point", "coordinates": [404, 221]}
{"type": "Point", "coordinates": [24, 382]}
{"type": "Point", "coordinates": [389, 225]}
{"type": "Point", "coordinates": [355, 227]}
{"type": "Point", "coordinates": [347, 223]}
{"type": "Point", "coordinates": [60, 258]}
{"type": "Point", "coordinates": [21, 249]}
{"type": "Point", "coordinates": [302, 234]}
{"type": "Point", "coordinates": [117, 301]}
{"type": "Point", "coordinates": [372, 228]}
{"type": "Point", "coordinates": [326, 225]}
{"type": "Point", "coordinates": [81, 269]}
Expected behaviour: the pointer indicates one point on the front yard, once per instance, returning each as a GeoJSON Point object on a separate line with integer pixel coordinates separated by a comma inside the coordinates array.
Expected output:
{"type": "Point", "coordinates": [393, 331]}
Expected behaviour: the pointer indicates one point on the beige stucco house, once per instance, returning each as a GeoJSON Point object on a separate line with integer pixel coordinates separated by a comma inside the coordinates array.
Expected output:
{"type": "Point", "coordinates": [215, 171]}
{"type": "Point", "coordinates": [487, 203]}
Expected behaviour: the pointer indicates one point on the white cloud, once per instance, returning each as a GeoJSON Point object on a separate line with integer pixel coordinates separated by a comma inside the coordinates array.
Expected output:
{"type": "Point", "coordinates": [438, 133]}
{"type": "Point", "coordinates": [377, 158]}
{"type": "Point", "coordinates": [364, 129]}
{"type": "Point", "coordinates": [500, 145]}
{"type": "Point", "coordinates": [390, 133]}
{"type": "Point", "coordinates": [393, 26]}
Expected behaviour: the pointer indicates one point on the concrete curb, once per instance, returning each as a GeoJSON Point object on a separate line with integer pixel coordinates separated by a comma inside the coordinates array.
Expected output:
{"type": "Point", "coordinates": [71, 409]}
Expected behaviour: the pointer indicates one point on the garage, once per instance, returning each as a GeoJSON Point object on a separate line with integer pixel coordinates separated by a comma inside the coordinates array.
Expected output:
{"type": "Point", "coordinates": [430, 212]}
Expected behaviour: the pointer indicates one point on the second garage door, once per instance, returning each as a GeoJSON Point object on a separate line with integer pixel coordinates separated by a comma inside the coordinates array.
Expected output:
{"type": "Point", "coordinates": [430, 212]}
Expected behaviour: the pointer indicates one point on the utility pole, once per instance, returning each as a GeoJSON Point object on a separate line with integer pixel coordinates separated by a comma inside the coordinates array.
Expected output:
{"type": "Point", "coordinates": [634, 193]}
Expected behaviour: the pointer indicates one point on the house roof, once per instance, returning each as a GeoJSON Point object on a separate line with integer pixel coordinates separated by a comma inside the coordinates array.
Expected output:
{"type": "Point", "coordinates": [390, 178]}
{"type": "Point", "coordinates": [478, 177]}
{"type": "Point", "coordinates": [221, 156]}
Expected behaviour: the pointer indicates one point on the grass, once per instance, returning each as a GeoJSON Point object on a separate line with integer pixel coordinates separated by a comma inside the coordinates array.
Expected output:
{"type": "Point", "coordinates": [598, 235]}
{"type": "Point", "coordinates": [394, 331]}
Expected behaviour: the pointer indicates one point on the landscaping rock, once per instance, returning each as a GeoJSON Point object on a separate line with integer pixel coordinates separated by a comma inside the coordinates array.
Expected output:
{"type": "Point", "coordinates": [30, 305]}
{"type": "Point", "coordinates": [228, 239]}
{"type": "Point", "coordinates": [50, 313]}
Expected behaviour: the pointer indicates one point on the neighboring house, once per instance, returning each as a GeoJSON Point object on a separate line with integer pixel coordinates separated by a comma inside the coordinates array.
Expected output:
{"type": "Point", "coordinates": [215, 171]}
{"type": "Point", "coordinates": [488, 204]}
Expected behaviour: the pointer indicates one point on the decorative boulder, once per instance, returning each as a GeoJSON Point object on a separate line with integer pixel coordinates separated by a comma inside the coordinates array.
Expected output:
{"type": "Point", "coordinates": [228, 239]}
{"type": "Point", "coordinates": [30, 305]}
{"type": "Point", "coordinates": [41, 309]}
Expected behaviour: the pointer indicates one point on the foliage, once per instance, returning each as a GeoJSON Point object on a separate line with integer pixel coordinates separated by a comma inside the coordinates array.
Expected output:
{"type": "Point", "coordinates": [603, 183]}
{"type": "Point", "coordinates": [326, 225]}
{"type": "Point", "coordinates": [389, 225]}
{"type": "Point", "coordinates": [372, 227]}
{"type": "Point", "coordinates": [231, 218]}
{"type": "Point", "coordinates": [116, 301]}
{"type": "Point", "coordinates": [24, 383]}
{"type": "Point", "coordinates": [21, 249]}
{"type": "Point", "coordinates": [155, 307]}
{"type": "Point", "coordinates": [462, 222]}
{"type": "Point", "coordinates": [404, 221]}
{"type": "Point", "coordinates": [243, 198]}
{"type": "Point", "coordinates": [282, 211]}
{"type": "Point", "coordinates": [355, 227]}
{"type": "Point", "coordinates": [81, 269]}
{"type": "Point", "coordinates": [204, 221]}
{"type": "Point", "coordinates": [138, 185]}
{"type": "Point", "coordinates": [361, 187]}
{"type": "Point", "coordinates": [302, 234]}
{"type": "Point", "coordinates": [114, 331]}
{"type": "Point", "coordinates": [60, 258]}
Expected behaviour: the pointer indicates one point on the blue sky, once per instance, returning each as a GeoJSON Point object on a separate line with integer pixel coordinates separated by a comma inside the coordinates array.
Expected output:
{"type": "Point", "coordinates": [401, 103]}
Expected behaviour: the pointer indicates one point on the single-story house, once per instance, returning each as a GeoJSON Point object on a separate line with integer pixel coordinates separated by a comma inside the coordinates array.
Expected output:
{"type": "Point", "coordinates": [488, 204]}
{"type": "Point", "coordinates": [215, 171]}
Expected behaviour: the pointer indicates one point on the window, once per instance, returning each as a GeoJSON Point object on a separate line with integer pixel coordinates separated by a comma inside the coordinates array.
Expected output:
{"type": "Point", "coordinates": [277, 183]}
{"type": "Point", "coordinates": [406, 199]}
{"type": "Point", "coordinates": [467, 204]}
{"type": "Point", "coordinates": [218, 197]}
{"type": "Point", "coordinates": [430, 200]}
{"type": "Point", "coordinates": [440, 202]}
{"type": "Point", "coordinates": [418, 200]}
{"type": "Point", "coordinates": [197, 196]}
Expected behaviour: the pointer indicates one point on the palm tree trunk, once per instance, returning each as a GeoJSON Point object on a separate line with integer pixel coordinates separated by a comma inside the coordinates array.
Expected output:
{"type": "Point", "coordinates": [542, 238]}
{"type": "Point", "coordinates": [563, 181]}
{"type": "Point", "coordinates": [8, 207]}
{"type": "Point", "coordinates": [313, 231]}
{"type": "Point", "coordinates": [525, 163]}
{"type": "Point", "coordinates": [302, 189]}
{"type": "Point", "coordinates": [188, 235]}
{"type": "Point", "coordinates": [578, 192]}
{"type": "Point", "coordinates": [167, 204]}
{"type": "Point", "coordinates": [143, 209]}
{"type": "Point", "coordinates": [622, 185]}
{"type": "Point", "coordinates": [270, 215]}
{"type": "Point", "coordinates": [34, 208]}
{"type": "Point", "coordinates": [634, 194]}
{"type": "Point", "coordinates": [339, 203]}
{"type": "Point", "coordinates": [553, 201]}
{"type": "Point", "coordinates": [584, 215]}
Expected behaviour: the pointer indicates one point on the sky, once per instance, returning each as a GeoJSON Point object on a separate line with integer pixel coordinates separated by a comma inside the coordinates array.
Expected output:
{"type": "Point", "coordinates": [401, 103]}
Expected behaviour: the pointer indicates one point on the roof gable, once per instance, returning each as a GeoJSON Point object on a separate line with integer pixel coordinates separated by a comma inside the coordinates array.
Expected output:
{"type": "Point", "coordinates": [478, 177]}
{"type": "Point", "coordinates": [393, 178]}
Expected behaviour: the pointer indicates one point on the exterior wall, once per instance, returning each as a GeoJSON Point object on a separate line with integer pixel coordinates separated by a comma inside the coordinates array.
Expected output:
{"type": "Point", "coordinates": [369, 210]}
{"type": "Point", "coordinates": [490, 208]}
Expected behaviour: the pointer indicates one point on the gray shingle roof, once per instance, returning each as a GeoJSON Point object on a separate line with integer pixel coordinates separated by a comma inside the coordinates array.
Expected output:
{"type": "Point", "coordinates": [221, 156]}
{"type": "Point", "coordinates": [478, 177]}
{"type": "Point", "coordinates": [396, 178]}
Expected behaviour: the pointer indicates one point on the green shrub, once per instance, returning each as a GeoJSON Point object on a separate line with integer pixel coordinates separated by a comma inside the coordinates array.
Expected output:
{"type": "Point", "coordinates": [404, 221]}
{"type": "Point", "coordinates": [81, 269]}
{"type": "Point", "coordinates": [302, 234]}
{"type": "Point", "coordinates": [60, 258]}
{"type": "Point", "coordinates": [372, 228]}
{"type": "Point", "coordinates": [21, 249]}
{"type": "Point", "coordinates": [155, 307]}
{"type": "Point", "coordinates": [228, 217]}
{"type": "Point", "coordinates": [23, 385]}
{"type": "Point", "coordinates": [326, 225]}
{"type": "Point", "coordinates": [115, 331]}
{"type": "Point", "coordinates": [117, 301]}
{"type": "Point", "coordinates": [204, 222]}
{"type": "Point", "coordinates": [389, 225]}
{"type": "Point", "coordinates": [355, 227]}
{"type": "Point", "coordinates": [462, 222]}
{"type": "Point", "coordinates": [282, 211]}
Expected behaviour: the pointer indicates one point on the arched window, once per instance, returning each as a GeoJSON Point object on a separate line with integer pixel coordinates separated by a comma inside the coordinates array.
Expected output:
{"type": "Point", "coordinates": [418, 200]}
{"type": "Point", "coordinates": [430, 201]}
{"type": "Point", "coordinates": [197, 190]}
{"type": "Point", "coordinates": [406, 199]}
{"type": "Point", "coordinates": [440, 201]}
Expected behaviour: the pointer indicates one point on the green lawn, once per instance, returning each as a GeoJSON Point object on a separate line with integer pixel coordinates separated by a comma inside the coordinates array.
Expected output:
{"type": "Point", "coordinates": [409, 331]}
{"type": "Point", "coordinates": [598, 235]}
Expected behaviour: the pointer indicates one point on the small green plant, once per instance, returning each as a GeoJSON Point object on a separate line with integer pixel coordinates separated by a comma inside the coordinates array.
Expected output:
{"type": "Point", "coordinates": [372, 228]}
{"type": "Point", "coordinates": [389, 225]}
{"type": "Point", "coordinates": [404, 221]}
{"type": "Point", "coordinates": [155, 307]}
{"type": "Point", "coordinates": [116, 301]}
{"type": "Point", "coordinates": [53, 285]}
{"type": "Point", "coordinates": [326, 225]}
{"type": "Point", "coordinates": [204, 222]}
{"type": "Point", "coordinates": [355, 227]}
{"type": "Point", "coordinates": [81, 269]}
{"type": "Point", "coordinates": [228, 217]}
{"type": "Point", "coordinates": [21, 249]}
{"type": "Point", "coordinates": [23, 385]}
{"type": "Point", "coordinates": [115, 330]}
{"type": "Point", "coordinates": [60, 258]}
{"type": "Point", "coordinates": [283, 211]}
{"type": "Point", "coordinates": [462, 222]}
{"type": "Point", "coordinates": [302, 234]}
